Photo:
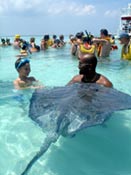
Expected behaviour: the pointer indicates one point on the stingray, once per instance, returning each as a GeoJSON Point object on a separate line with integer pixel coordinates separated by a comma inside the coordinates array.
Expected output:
{"type": "Point", "coordinates": [64, 111]}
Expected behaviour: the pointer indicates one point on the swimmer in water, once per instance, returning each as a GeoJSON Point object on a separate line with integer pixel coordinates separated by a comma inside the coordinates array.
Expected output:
{"type": "Point", "coordinates": [22, 66]}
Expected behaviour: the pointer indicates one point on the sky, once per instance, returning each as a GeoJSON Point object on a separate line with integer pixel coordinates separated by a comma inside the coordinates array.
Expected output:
{"type": "Point", "coordinates": [39, 17]}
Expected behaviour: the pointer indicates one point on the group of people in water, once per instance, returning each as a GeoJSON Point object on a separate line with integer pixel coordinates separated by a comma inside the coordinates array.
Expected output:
{"type": "Point", "coordinates": [28, 47]}
{"type": "Point", "coordinates": [5, 42]}
{"type": "Point", "coordinates": [87, 48]}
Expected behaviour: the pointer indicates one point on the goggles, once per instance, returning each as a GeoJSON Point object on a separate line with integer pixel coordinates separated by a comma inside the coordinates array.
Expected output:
{"type": "Point", "coordinates": [22, 62]}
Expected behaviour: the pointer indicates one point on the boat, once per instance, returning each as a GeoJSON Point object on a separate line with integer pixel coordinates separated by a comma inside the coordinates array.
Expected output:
{"type": "Point", "coordinates": [125, 20]}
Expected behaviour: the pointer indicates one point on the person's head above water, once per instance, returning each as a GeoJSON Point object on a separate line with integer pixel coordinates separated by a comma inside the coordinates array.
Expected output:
{"type": "Point", "coordinates": [23, 81]}
{"type": "Point", "coordinates": [21, 62]}
{"type": "Point", "coordinates": [87, 63]}
{"type": "Point", "coordinates": [104, 32]}
{"type": "Point", "coordinates": [87, 71]}
{"type": "Point", "coordinates": [90, 58]}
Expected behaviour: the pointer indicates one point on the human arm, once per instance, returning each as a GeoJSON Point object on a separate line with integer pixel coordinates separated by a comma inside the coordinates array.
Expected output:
{"type": "Point", "coordinates": [99, 40]}
{"type": "Point", "coordinates": [31, 83]}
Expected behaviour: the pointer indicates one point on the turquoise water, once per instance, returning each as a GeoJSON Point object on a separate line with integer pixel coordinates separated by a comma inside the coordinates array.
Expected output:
{"type": "Point", "coordinates": [99, 150]}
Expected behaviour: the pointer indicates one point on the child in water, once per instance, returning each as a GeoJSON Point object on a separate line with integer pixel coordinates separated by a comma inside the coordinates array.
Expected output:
{"type": "Point", "coordinates": [22, 65]}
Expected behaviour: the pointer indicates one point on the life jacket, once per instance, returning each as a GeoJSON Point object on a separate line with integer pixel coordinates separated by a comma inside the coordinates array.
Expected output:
{"type": "Point", "coordinates": [84, 49]}
{"type": "Point", "coordinates": [50, 42]}
{"type": "Point", "coordinates": [126, 52]}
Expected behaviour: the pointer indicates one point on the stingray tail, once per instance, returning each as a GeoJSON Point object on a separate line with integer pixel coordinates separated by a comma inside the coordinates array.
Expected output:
{"type": "Point", "coordinates": [43, 149]}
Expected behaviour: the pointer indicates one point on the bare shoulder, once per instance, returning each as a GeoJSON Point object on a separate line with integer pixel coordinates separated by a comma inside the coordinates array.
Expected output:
{"type": "Point", "coordinates": [105, 81]}
{"type": "Point", "coordinates": [75, 79]}
{"type": "Point", "coordinates": [18, 83]}
{"type": "Point", "coordinates": [32, 79]}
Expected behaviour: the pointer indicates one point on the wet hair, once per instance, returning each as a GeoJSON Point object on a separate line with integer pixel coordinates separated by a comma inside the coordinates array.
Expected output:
{"type": "Point", "coordinates": [3, 40]}
{"type": "Point", "coordinates": [7, 40]}
{"type": "Point", "coordinates": [61, 37]}
{"type": "Point", "coordinates": [37, 47]}
{"type": "Point", "coordinates": [46, 37]}
{"type": "Point", "coordinates": [54, 36]}
{"type": "Point", "coordinates": [87, 39]}
{"type": "Point", "coordinates": [104, 31]}
{"type": "Point", "coordinates": [57, 41]}
{"type": "Point", "coordinates": [32, 39]}
{"type": "Point", "coordinates": [79, 35]}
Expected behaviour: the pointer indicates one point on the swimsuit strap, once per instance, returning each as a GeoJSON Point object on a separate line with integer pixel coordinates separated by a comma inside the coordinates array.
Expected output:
{"type": "Point", "coordinates": [85, 79]}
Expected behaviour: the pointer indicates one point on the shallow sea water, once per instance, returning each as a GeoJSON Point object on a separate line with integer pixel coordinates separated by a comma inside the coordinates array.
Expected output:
{"type": "Point", "coordinates": [99, 150]}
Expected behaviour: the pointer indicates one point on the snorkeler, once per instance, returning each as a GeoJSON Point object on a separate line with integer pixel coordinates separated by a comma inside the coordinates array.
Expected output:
{"type": "Point", "coordinates": [22, 65]}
